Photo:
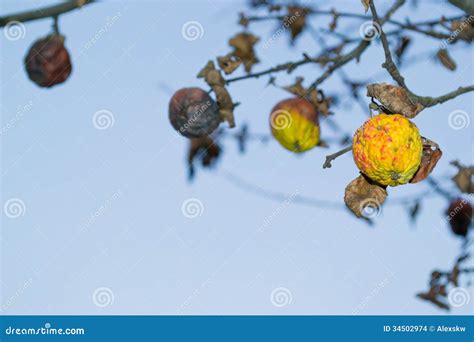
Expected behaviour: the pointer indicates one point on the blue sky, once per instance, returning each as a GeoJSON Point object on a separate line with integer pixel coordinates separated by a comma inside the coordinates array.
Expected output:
{"type": "Point", "coordinates": [103, 208]}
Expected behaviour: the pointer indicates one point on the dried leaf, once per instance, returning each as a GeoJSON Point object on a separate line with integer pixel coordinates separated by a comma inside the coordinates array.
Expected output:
{"type": "Point", "coordinates": [317, 98]}
{"type": "Point", "coordinates": [214, 79]}
{"type": "Point", "coordinates": [297, 88]}
{"type": "Point", "coordinates": [243, 20]}
{"type": "Point", "coordinates": [431, 154]}
{"type": "Point", "coordinates": [362, 193]}
{"type": "Point", "coordinates": [462, 29]}
{"type": "Point", "coordinates": [415, 211]}
{"type": "Point", "coordinates": [333, 24]}
{"type": "Point", "coordinates": [274, 8]}
{"type": "Point", "coordinates": [243, 44]}
{"type": "Point", "coordinates": [403, 44]}
{"type": "Point", "coordinates": [446, 59]}
{"type": "Point", "coordinates": [242, 137]}
{"type": "Point", "coordinates": [431, 296]}
{"type": "Point", "coordinates": [454, 276]}
{"type": "Point", "coordinates": [295, 20]}
{"type": "Point", "coordinates": [394, 98]}
{"type": "Point", "coordinates": [228, 63]}
{"type": "Point", "coordinates": [204, 149]}
{"type": "Point", "coordinates": [366, 4]}
{"type": "Point", "coordinates": [463, 178]}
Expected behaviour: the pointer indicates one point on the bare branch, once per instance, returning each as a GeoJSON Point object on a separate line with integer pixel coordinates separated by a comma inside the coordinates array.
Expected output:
{"type": "Point", "coordinates": [426, 101]}
{"type": "Point", "coordinates": [415, 27]}
{"type": "Point", "coordinates": [46, 12]}
{"type": "Point", "coordinates": [429, 101]}
{"type": "Point", "coordinates": [465, 5]}
{"type": "Point", "coordinates": [389, 64]}
{"type": "Point", "coordinates": [356, 52]}
{"type": "Point", "coordinates": [331, 157]}
{"type": "Point", "coordinates": [290, 66]}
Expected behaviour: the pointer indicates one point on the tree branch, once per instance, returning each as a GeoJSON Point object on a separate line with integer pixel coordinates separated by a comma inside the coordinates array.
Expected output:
{"type": "Point", "coordinates": [331, 157]}
{"type": "Point", "coordinates": [47, 12]}
{"type": "Point", "coordinates": [290, 66]}
{"type": "Point", "coordinates": [411, 27]}
{"type": "Point", "coordinates": [429, 101]}
{"type": "Point", "coordinates": [356, 52]}
{"type": "Point", "coordinates": [389, 64]}
{"type": "Point", "coordinates": [465, 5]}
{"type": "Point", "coordinates": [426, 101]}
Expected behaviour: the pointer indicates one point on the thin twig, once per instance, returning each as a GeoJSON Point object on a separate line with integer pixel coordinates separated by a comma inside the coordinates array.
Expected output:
{"type": "Point", "coordinates": [56, 24]}
{"type": "Point", "coordinates": [438, 189]}
{"type": "Point", "coordinates": [331, 157]}
{"type": "Point", "coordinates": [415, 27]}
{"type": "Point", "coordinates": [45, 12]}
{"type": "Point", "coordinates": [290, 66]}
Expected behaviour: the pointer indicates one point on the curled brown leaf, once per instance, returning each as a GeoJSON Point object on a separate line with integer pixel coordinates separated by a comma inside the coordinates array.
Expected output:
{"type": "Point", "coordinates": [464, 29]}
{"type": "Point", "coordinates": [463, 178]}
{"type": "Point", "coordinates": [362, 193]}
{"type": "Point", "coordinates": [446, 59]}
{"type": "Point", "coordinates": [395, 99]}
{"type": "Point", "coordinates": [431, 154]}
{"type": "Point", "coordinates": [295, 20]}
{"type": "Point", "coordinates": [214, 79]}
{"type": "Point", "coordinates": [228, 63]}
{"type": "Point", "coordinates": [243, 44]}
{"type": "Point", "coordinates": [317, 98]}
{"type": "Point", "coordinates": [204, 149]}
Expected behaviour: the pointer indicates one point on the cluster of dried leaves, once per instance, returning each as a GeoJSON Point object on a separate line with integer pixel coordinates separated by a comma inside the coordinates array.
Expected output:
{"type": "Point", "coordinates": [292, 17]}
{"type": "Point", "coordinates": [214, 79]}
{"type": "Point", "coordinates": [463, 178]}
{"type": "Point", "coordinates": [441, 282]}
{"type": "Point", "coordinates": [206, 151]}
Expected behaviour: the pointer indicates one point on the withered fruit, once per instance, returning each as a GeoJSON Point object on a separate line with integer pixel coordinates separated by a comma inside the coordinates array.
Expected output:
{"type": "Point", "coordinates": [47, 62]}
{"type": "Point", "coordinates": [193, 113]}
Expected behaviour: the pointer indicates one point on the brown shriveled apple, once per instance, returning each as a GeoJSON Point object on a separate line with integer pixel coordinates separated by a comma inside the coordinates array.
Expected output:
{"type": "Point", "coordinates": [47, 62]}
{"type": "Point", "coordinates": [193, 113]}
{"type": "Point", "coordinates": [460, 216]}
